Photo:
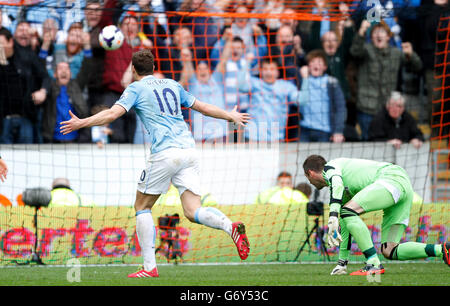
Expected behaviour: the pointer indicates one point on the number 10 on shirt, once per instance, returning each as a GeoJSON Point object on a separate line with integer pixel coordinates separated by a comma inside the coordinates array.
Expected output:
{"type": "Point", "coordinates": [164, 94]}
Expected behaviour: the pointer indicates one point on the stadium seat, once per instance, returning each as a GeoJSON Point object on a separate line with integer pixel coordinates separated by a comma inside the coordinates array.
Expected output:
{"type": "Point", "coordinates": [5, 201]}
{"type": "Point", "coordinates": [19, 200]}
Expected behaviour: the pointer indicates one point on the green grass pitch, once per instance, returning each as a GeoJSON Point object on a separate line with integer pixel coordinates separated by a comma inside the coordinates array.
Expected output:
{"type": "Point", "coordinates": [397, 274]}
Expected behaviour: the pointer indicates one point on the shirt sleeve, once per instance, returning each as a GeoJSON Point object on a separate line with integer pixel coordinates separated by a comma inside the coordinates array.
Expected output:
{"type": "Point", "coordinates": [186, 98]}
{"type": "Point", "coordinates": [128, 98]}
{"type": "Point", "coordinates": [333, 175]}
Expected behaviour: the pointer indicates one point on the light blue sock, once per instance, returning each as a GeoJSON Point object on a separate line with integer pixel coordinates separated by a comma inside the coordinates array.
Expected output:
{"type": "Point", "coordinates": [212, 217]}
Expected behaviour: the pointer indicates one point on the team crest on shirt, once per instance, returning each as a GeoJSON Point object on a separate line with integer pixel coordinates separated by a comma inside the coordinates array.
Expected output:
{"type": "Point", "coordinates": [123, 96]}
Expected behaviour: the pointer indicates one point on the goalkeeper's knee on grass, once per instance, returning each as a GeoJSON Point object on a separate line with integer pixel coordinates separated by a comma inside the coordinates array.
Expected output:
{"type": "Point", "coordinates": [410, 250]}
{"type": "Point", "coordinates": [389, 250]}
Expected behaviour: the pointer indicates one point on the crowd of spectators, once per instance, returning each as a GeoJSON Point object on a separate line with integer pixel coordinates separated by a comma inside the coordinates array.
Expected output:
{"type": "Point", "coordinates": [307, 81]}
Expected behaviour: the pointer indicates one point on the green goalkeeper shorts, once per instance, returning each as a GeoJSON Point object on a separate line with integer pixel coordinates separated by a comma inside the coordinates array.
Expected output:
{"type": "Point", "coordinates": [391, 192]}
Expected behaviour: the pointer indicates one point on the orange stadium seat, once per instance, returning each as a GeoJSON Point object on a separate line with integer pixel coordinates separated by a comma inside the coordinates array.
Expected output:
{"type": "Point", "coordinates": [5, 201]}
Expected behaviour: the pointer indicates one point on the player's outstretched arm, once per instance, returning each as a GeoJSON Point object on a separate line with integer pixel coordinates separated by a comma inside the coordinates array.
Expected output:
{"type": "Point", "coordinates": [101, 118]}
{"type": "Point", "coordinates": [216, 112]}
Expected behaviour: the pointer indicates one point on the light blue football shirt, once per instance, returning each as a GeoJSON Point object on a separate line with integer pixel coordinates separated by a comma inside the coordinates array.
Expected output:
{"type": "Point", "coordinates": [316, 114]}
{"type": "Point", "coordinates": [158, 104]}
{"type": "Point", "coordinates": [269, 107]}
{"type": "Point", "coordinates": [205, 127]}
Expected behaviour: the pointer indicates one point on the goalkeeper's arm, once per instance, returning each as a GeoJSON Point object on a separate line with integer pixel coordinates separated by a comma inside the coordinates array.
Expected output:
{"type": "Point", "coordinates": [336, 193]}
{"type": "Point", "coordinates": [333, 175]}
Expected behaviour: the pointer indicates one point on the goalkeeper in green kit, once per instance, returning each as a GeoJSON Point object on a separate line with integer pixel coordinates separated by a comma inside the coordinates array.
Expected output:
{"type": "Point", "coordinates": [358, 186]}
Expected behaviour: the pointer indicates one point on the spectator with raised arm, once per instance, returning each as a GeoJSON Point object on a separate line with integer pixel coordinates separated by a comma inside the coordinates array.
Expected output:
{"type": "Point", "coordinates": [271, 26]}
{"type": "Point", "coordinates": [208, 87]}
{"type": "Point", "coordinates": [378, 68]}
{"type": "Point", "coordinates": [336, 43]}
{"type": "Point", "coordinates": [235, 60]}
{"type": "Point", "coordinates": [151, 17]}
{"type": "Point", "coordinates": [25, 84]}
{"type": "Point", "coordinates": [48, 42]}
{"type": "Point", "coordinates": [205, 30]}
{"type": "Point", "coordinates": [270, 100]}
{"type": "Point", "coordinates": [254, 36]}
{"type": "Point", "coordinates": [66, 94]}
{"type": "Point", "coordinates": [26, 37]}
{"type": "Point", "coordinates": [288, 53]}
{"type": "Point", "coordinates": [169, 57]}
{"type": "Point", "coordinates": [397, 14]}
{"type": "Point", "coordinates": [300, 38]}
{"type": "Point", "coordinates": [73, 51]}
{"type": "Point", "coordinates": [337, 58]}
{"type": "Point", "coordinates": [152, 26]}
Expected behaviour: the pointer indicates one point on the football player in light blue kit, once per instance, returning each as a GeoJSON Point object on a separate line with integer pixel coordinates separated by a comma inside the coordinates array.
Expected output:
{"type": "Point", "coordinates": [173, 157]}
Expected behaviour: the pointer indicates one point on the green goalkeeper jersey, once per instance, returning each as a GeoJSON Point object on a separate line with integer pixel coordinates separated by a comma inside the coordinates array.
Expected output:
{"type": "Point", "coordinates": [347, 176]}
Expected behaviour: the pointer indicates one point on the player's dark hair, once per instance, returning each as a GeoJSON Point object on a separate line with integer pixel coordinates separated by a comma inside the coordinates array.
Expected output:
{"type": "Point", "coordinates": [143, 62]}
{"type": "Point", "coordinates": [315, 163]}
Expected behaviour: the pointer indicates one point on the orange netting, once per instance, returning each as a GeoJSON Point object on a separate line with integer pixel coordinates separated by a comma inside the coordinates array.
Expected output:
{"type": "Point", "coordinates": [441, 112]}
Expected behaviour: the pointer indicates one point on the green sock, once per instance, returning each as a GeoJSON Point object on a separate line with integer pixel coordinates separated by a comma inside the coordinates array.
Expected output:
{"type": "Point", "coordinates": [417, 250]}
{"type": "Point", "coordinates": [359, 231]}
{"type": "Point", "coordinates": [374, 260]}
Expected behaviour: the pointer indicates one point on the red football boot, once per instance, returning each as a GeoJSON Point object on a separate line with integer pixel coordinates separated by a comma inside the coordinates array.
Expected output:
{"type": "Point", "coordinates": [240, 239]}
{"type": "Point", "coordinates": [369, 270]}
{"type": "Point", "coordinates": [143, 274]}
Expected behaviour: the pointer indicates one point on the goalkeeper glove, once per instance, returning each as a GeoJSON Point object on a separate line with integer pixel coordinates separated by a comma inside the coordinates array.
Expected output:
{"type": "Point", "coordinates": [341, 268]}
{"type": "Point", "coordinates": [334, 237]}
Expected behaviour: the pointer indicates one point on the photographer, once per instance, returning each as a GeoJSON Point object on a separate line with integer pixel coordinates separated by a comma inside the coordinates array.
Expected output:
{"type": "Point", "coordinates": [284, 193]}
{"type": "Point", "coordinates": [63, 195]}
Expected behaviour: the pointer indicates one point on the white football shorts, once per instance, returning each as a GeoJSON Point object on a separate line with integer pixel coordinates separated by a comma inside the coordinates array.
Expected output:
{"type": "Point", "coordinates": [179, 166]}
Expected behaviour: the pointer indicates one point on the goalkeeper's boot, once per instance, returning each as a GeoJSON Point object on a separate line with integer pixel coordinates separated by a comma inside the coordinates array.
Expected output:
{"type": "Point", "coordinates": [341, 268]}
{"type": "Point", "coordinates": [144, 274]}
{"type": "Point", "coordinates": [240, 239]}
{"type": "Point", "coordinates": [369, 270]}
{"type": "Point", "coordinates": [446, 253]}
